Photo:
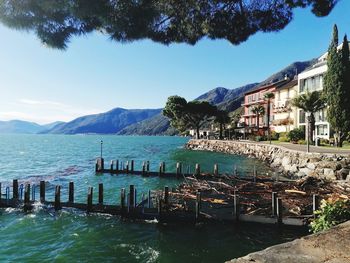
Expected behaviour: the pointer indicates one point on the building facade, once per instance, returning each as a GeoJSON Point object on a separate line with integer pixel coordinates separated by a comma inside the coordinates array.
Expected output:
{"type": "Point", "coordinates": [284, 114]}
{"type": "Point", "coordinates": [254, 98]}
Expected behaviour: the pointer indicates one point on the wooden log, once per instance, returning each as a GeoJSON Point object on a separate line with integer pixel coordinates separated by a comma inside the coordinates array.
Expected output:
{"type": "Point", "coordinates": [166, 196]}
{"type": "Point", "coordinates": [143, 169]}
{"type": "Point", "coordinates": [132, 196]}
{"type": "Point", "coordinates": [71, 192]}
{"type": "Point", "coordinates": [132, 166]}
{"type": "Point", "coordinates": [101, 164]}
{"type": "Point", "coordinates": [42, 191]}
{"type": "Point", "coordinates": [197, 169]}
{"type": "Point", "coordinates": [160, 169]}
{"type": "Point", "coordinates": [58, 197]}
{"type": "Point", "coordinates": [147, 166]}
{"type": "Point", "coordinates": [274, 203]}
{"type": "Point", "coordinates": [279, 211]}
{"type": "Point", "coordinates": [100, 194]}
{"type": "Point", "coordinates": [236, 207]}
{"type": "Point", "coordinates": [96, 166]}
{"type": "Point", "coordinates": [89, 200]}
{"type": "Point", "coordinates": [15, 189]}
{"type": "Point", "coordinates": [112, 165]}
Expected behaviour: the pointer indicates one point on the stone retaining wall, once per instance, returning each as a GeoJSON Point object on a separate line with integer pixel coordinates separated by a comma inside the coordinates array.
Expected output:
{"type": "Point", "coordinates": [289, 162]}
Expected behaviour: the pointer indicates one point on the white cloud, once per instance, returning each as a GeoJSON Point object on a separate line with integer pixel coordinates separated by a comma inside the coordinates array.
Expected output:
{"type": "Point", "coordinates": [44, 111]}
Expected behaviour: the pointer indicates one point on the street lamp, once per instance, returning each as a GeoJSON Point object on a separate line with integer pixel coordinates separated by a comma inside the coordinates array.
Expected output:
{"type": "Point", "coordinates": [101, 148]}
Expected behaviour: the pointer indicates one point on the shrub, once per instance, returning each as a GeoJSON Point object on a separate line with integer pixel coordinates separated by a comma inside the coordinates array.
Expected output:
{"type": "Point", "coordinates": [302, 142]}
{"type": "Point", "coordinates": [283, 139]}
{"type": "Point", "coordinates": [260, 138]}
{"type": "Point", "coordinates": [345, 143]}
{"type": "Point", "coordinates": [296, 135]}
{"type": "Point", "coordinates": [324, 141]}
{"type": "Point", "coordinates": [274, 135]}
{"type": "Point", "coordinates": [331, 213]}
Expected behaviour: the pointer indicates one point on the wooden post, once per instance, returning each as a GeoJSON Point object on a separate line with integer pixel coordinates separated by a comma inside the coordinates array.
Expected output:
{"type": "Point", "coordinates": [112, 165]}
{"type": "Point", "coordinates": [100, 194]}
{"type": "Point", "coordinates": [42, 191]}
{"type": "Point", "coordinates": [198, 205]}
{"type": "Point", "coordinates": [147, 166]}
{"type": "Point", "coordinates": [236, 207]}
{"type": "Point", "coordinates": [96, 166]}
{"type": "Point", "coordinates": [58, 197]}
{"type": "Point", "coordinates": [198, 169]}
{"type": "Point", "coordinates": [122, 199]}
{"type": "Point", "coordinates": [166, 196]}
{"type": "Point", "coordinates": [143, 169]}
{"type": "Point", "coordinates": [178, 169]}
{"type": "Point", "coordinates": [163, 167]}
{"type": "Point", "coordinates": [89, 200]}
{"type": "Point", "coordinates": [117, 165]}
{"type": "Point", "coordinates": [159, 207]}
{"type": "Point", "coordinates": [279, 210]}
{"type": "Point", "coordinates": [132, 196]}
{"type": "Point", "coordinates": [101, 164]}
{"type": "Point", "coordinates": [315, 203]}
{"type": "Point", "coordinates": [127, 167]}
{"type": "Point", "coordinates": [235, 170]}
{"type": "Point", "coordinates": [71, 192]}
{"type": "Point", "coordinates": [15, 189]}
{"type": "Point", "coordinates": [160, 169]}
{"type": "Point", "coordinates": [216, 169]}
{"type": "Point", "coordinates": [27, 197]}
{"type": "Point", "coordinates": [132, 166]}
{"type": "Point", "coordinates": [274, 203]}
{"type": "Point", "coordinates": [254, 174]}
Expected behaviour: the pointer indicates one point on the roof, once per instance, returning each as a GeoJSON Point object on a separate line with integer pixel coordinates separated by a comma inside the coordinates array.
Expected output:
{"type": "Point", "coordinates": [276, 85]}
{"type": "Point", "coordinates": [289, 84]}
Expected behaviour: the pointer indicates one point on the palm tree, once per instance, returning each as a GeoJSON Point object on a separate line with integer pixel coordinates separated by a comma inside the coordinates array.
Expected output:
{"type": "Point", "coordinates": [310, 102]}
{"type": "Point", "coordinates": [268, 96]}
{"type": "Point", "coordinates": [258, 110]}
{"type": "Point", "coordinates": [222, 118]}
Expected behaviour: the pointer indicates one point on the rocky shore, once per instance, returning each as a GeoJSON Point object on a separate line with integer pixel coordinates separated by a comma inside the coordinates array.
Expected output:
{"type": "Point", "coordinates": [331, 246]}
{"type": "Point", "coordinates": [289, 162]}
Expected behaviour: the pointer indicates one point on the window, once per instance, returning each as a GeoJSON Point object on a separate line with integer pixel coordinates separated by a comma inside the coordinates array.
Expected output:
{"type": "Point", "coordinates": [322, 130]}
{"type": "Point", "coordinates": [311, 84]}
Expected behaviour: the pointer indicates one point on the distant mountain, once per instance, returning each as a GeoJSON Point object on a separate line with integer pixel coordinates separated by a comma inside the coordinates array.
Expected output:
{"type": "Point", "coordinates": [156, 125]}
{"type": "Point", "coordinates": [17, 126]}
{"type": "Point", "coordinates": [110, 122]}
{"type": "Point", "coordinates": [53, 124]}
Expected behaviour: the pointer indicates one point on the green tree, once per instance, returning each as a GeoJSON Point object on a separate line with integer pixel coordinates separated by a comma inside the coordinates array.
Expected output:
{"type": "Point", "coordinates": [222, 118]}
{"type": "Point", "coordinates": [258, 110]}
{"type": "Point", "coordinates": [337, 88]}
{"type": "Point", "coordinates": [268, 97]}
{"type": "Point", "coordinates": [185, 115]}
{"type": "Point", "coordinates": [164, 21]}
{"type": "Point", "coordinates": [310, 102]}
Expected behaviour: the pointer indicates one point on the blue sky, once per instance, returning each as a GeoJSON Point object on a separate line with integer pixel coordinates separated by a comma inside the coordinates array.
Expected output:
{"type": "Point", "coordinates": [95, 74]}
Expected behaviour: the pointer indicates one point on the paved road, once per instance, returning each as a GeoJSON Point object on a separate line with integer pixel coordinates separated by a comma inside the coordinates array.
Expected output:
{"type": "Point", "coordinates": [314, 149]}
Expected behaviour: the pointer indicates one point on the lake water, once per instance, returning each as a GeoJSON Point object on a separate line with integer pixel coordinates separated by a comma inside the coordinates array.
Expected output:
{"type": "Point", "coordinates": [73, 236]}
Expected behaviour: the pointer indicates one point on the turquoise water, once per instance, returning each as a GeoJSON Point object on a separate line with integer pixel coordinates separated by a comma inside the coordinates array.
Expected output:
{"type": "Point", "coordinates": [68, 235]}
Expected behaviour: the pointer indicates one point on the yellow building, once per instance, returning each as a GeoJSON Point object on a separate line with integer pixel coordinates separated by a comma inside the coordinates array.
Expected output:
{"type": "Point", "coordinates": [284, 114]}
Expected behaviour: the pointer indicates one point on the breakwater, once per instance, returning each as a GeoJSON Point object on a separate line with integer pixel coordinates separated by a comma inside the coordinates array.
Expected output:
{"type": "Point", "coordinates": [288, 162]}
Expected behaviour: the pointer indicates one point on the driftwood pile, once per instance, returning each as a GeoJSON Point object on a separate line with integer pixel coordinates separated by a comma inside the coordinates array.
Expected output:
{"type": "Point", "coordinates": [255, 196]}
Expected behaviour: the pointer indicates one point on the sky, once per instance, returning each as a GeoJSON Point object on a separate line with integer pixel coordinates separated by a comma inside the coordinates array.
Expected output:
{"type": "Point", "coordinates": [96, 74]}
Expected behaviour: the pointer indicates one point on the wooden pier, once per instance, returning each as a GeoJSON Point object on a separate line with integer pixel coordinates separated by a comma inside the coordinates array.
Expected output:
{"type": "Point", "coordinates": [153, 205]}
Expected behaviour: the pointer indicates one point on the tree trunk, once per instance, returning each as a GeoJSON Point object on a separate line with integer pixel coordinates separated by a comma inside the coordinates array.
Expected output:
{"type": "Point", "coordinates": [257, 123]}
{"type": "Point", "coordinates": [268, 119]}
{"type": "Point", "coordinates": [312, 127]}
{"type": "Point", "coordinates": [197, 130]}
{"type": "Point", "coordinates": [338, 142]}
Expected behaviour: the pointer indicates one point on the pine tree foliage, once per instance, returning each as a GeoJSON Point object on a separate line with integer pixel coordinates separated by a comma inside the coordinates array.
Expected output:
{"type": "Point", "coordinates": [164, 21]}
{"type": "Point", "coordinates": [336, 88]}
